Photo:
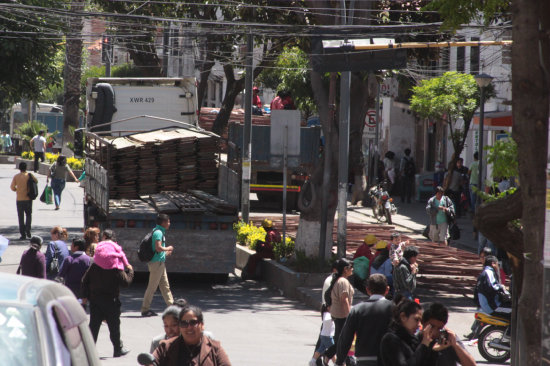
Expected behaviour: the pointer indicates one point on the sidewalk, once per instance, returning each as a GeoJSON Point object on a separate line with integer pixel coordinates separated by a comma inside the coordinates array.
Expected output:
{"type": "Point", "coordinates": [413, 216]}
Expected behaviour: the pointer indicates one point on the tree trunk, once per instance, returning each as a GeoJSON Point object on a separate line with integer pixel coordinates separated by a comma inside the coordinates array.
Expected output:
{"type": "Point", "coordinates": [234, 87]}
{"type": "Point", "coordinates": [309, 229]}
{"type": "Point", "coordinates": [72, 74]}
{"type": "Point", "coordinates": [145, 57]}
{"type": "Point", "coordinates": [530, 114]}
{"type": "Point", "coordinates": [203, 84]}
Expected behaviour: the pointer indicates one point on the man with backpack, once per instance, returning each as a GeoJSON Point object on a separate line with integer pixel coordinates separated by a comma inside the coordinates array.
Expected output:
{"type": "Point", "coordinates": [408, 170]}
{"type": "Point", "coordinates": [25, 185]}
{"type": "Point", "coordinates": [157, 268]}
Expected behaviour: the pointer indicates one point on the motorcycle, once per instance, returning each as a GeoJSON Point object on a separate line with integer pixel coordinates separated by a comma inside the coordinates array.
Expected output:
{"type": "Point", "coordinates": [492, 342]}
{"type": "Point", "coordinates": [382, 204]}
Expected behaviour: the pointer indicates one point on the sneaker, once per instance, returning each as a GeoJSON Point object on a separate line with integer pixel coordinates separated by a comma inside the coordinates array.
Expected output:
{"type": "Point", "coordinates": [121, 352]}
{"type": "Point", "coordinates": [148, 313]}
{"type": "Point", "coordinates": [312, 362]}
{"type": "Point", "coordinates": [22, 237]}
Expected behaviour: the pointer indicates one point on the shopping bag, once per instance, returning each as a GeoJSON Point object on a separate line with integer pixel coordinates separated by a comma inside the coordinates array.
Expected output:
{"type": "Point", "coordinates": [48, 195]}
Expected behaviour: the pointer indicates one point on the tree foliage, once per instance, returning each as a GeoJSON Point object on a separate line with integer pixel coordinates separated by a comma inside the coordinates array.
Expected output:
{"type": "Point", "coordinates": [27, 58]}
{"type": "Point", "coordinates": [291, 73]}
{"type": "Point", "coordinates": [457, 12]}
{"type": "Point", "coordinates": [503, 155]}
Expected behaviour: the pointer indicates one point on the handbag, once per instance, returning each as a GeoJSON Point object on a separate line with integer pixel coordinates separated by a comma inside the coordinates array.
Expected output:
{"type": "Point", "coordinates": [46, 195]}
{"type": "Point", "coordinates": [454, 231]}
{"type": "Point", "coordinates": [53, 269]}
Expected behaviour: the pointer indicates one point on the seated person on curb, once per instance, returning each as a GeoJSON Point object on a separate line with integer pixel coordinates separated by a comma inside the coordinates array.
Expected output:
{"type": "Point", "coordinates": [447, 349]}
{"type": "Point", "coordinates": [264, 249]}
{"type": "Point", "coordinates": [362, 261]}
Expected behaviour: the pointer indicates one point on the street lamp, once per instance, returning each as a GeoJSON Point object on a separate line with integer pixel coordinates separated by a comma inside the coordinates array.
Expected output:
{"type": "Point", "coordinates": [482, 80]}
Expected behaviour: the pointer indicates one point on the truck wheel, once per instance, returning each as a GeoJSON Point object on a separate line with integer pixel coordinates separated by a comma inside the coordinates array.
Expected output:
{"type": "Point", "coordinates": [307, 197]}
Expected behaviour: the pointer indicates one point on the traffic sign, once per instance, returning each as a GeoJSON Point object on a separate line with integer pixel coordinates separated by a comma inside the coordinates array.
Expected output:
{"type": "Point", "coordinates": [370, 124]}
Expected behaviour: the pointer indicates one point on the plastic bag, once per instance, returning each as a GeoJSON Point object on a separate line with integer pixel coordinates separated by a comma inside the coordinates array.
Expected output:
{"type": "Point", "coordinates": [47, 195]}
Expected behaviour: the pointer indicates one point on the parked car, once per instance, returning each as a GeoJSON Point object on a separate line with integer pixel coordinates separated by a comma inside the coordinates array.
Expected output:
{"type": "Point", "coordinates": [42, 323]}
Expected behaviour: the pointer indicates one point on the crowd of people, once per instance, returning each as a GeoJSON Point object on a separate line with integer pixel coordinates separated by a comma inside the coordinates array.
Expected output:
{"type": "Point", "coordinates": [94, 267]}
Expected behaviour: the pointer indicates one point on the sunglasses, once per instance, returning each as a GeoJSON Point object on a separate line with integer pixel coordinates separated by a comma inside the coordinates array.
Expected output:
{"type": "Point", "coordinates": [186, 323]}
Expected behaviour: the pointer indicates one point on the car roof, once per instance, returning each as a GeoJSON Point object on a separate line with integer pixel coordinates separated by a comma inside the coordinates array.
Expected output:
{"type": "Point", "coordinates": [28, 290]}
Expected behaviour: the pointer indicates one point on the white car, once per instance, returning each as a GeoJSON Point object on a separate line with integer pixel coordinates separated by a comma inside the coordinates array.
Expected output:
{"type": "Point", "coordinates": [42, 323]}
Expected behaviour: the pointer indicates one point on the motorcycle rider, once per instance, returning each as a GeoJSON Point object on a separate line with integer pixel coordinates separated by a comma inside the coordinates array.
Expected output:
{"type": "Point", "coordinates": [490, 295]}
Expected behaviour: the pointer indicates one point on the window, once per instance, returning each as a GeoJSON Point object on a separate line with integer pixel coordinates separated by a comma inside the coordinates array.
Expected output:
{"type": "Point", "coordinates": [19, 340]}
{"type": "Point", "coordinates": [474, 57]}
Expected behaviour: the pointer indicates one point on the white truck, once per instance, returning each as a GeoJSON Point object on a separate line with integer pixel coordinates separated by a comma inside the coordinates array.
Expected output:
{"type": "Point", "coordinates": [119, 106]}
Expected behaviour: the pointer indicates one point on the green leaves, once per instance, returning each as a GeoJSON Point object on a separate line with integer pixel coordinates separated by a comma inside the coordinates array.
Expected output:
{"type": "Point", "coordinates": [291, 72]}
{"type": "Point", "coordinates": [453, 95]}
{"type": "Point", "coordinates": [503, 155]}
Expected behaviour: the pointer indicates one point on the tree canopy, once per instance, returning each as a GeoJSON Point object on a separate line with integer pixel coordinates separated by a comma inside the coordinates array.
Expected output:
{"type": "Point", "coordinates": [291, 72]}
{"type": "Point", "coordinates": [26, 56]}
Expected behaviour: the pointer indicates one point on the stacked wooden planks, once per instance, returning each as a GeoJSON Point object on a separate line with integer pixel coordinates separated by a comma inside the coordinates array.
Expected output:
{"type": "Point", "coordinates": [163, 160]}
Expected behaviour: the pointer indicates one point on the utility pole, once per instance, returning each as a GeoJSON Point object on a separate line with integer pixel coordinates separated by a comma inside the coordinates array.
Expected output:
{"type": "Point", "coordinates": [343, 148]}
{"type": "Point", "coordinates": [327, 167]}
{"type": "Point", "coordinates": [247, 132]}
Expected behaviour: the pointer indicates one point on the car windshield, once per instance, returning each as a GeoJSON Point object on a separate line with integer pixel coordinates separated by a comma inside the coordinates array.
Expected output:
{"type": "Point", "coordinates": [18, 336]}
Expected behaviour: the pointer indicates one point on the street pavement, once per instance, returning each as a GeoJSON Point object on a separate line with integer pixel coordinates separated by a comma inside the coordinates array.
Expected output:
{"type": "Point", "coordinates": [256, 325]}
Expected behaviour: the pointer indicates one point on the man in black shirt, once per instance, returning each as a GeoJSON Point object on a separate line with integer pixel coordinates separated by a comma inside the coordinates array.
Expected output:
{"type": "Point", "coordinates": [369, 321]}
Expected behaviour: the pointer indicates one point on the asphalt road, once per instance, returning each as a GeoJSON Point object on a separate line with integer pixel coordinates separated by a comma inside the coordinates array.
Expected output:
{"type": "Point", "coordinates": [256, 325]}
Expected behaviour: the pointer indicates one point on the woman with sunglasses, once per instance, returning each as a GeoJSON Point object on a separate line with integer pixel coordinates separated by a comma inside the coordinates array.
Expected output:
{"type": "Point", "coordinates": [191, 347]}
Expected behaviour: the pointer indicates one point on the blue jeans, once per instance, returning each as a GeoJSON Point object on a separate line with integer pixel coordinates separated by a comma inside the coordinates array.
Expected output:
{"type": "Point", "coordinates": [57, 186]}
{"type": "Point", "coordinates": [324, 343]}
{"type": "Point", "coordinates": [473, 198]}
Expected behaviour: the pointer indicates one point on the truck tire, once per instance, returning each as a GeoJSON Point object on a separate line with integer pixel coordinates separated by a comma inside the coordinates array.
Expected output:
{"type": "Point", "coordinates": [307, 197]}
{"type": "Point", "coordinates": [104, 106]}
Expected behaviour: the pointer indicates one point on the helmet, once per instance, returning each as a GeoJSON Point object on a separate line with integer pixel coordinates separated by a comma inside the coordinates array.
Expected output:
{"type": "Point", "coordinates": [370, 240]}
{"type": "Point", "coordinates": [382, 244]}
{"type": "Point", "coordinates": [267, 223]}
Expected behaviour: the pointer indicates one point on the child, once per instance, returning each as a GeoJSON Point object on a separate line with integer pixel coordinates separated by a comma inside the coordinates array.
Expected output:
{"type": "Point", "coordinates": [109, 255]}
{"type": "Point", "coordinates": [396, 248]}
{"type": "Point", "coordinates": [325, 337]}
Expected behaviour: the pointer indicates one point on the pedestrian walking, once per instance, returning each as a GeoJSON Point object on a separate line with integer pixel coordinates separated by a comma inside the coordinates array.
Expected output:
{"type": "Point", "coordinates": [326, 336]}
{"type": "Point", "coordinates": [399, 346]}
{"type": "Point", "coordinates": [407, 170]}
{"type": "Point", "coordinates": [157, 267]}
{"type": "Point", "coordinates": [6, 142]}
{"type": "Point", "coordinates": [447, 350]}
{"type": "Point", "coordinates": [101, 289]}
{"type": "Point", "coordinates": [191, 346]}
{"type": "Point", "coordinates": [404, 274]}
{"type": "Point", "coordinates": [75, 266]}
{"type": "Point", "coordinates": [38, 144]}
{"type": "Point", "coordinates": [339, 297]}
{"type": "Point", "coordinates": [19, 184]}
{"type": "Point", "coordinates": [440, 210]}
{"type": "Point", "coordinates": [56, 252]}
{"type": "Point", "coordinates": [33, 262]}
{"type": "Point", "coordinates": [58, 172]}
{"type": "Point", "coordinates": [368, 321]}
{"type": "Point", "coordinates": [91, 237]}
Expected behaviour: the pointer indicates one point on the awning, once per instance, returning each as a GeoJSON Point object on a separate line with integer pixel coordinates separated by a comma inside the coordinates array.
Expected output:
{"type": "Point", "coordinates": [496, 119]}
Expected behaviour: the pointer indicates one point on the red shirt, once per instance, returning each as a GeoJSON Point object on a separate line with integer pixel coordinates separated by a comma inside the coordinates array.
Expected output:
{"type": "Point", "coordinates": [256, 101]}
